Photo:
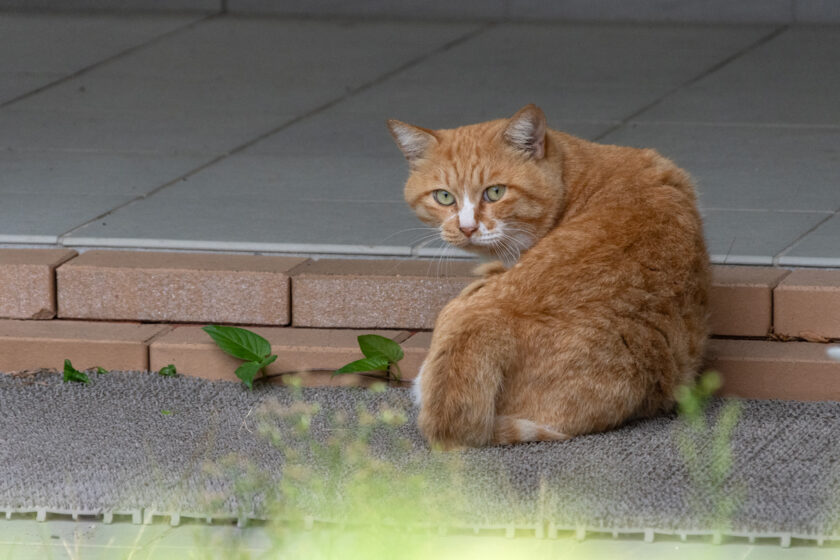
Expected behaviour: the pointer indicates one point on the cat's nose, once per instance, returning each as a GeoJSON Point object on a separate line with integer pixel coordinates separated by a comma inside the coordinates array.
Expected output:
{"type": "Point", "coordinates": [468, 231]}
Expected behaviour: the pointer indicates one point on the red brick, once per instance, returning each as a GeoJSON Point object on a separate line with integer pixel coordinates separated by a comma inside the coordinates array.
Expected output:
{"type": "Point", "coordinates": [759, 369]}
{"type": "Point", "coordinates": [176, 287]}
{"type": "Point", "coordinates": [193, 352]}
{"type": "Point", "coordinates": [742, 299]}
{"type": "Point", "coordinates": [374, 293]}
{"type": "Point", "coordinates": [46, 344]}
{"type": "Point", "coordinates": [27, 282]}
{"type": "Point", "coordinates": [807, 304]}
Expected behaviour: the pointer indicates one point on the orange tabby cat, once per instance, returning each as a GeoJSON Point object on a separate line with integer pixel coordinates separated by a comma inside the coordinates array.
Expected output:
{"type": "Point", "coordinates": [601, 311]}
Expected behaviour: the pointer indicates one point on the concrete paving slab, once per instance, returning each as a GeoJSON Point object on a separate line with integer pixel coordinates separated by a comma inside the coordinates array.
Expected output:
{"type": "Point", "coordinates": [754, 237]}
{"type": "Point", "coordinates": [129, 6]}
{"type": "Point", "coordinates": [791, 79]}
{"type": "Point", "coordinates": [83, 39]}
{"type": "Point", "coordinates": [820, 247]}
{"type": "Point", "coordinates": [749, 167]}
{"type": "Point", "coordinates": [654, 10]}
{"type": "Point", "coordinates": [167, 132]}
{"type": "Point", "coordinates": [68, 43]}
{"type": "Point", "coordinates": [213, 222]}
{"type": "Point", "coordinates": [42, 218]}
{"type": "Point", "coordinates": [816, 11]}
{"type": "Point", "coordinates": [335, 53]}
{"type": "Point", "coordinates": [428, 9]}
{"type": "Point", "coordinates": [174, 91]}
{"type": "Point", "coordinates": [575, 72]}
{"type": "Point", "coordinates": [356, 128]}
{"type": "Point", "coordinates": [86, 173]}
{"type": "Point", "coordinates": [15, 84]}
{"type": "Point", "coordinates": [276, 180]}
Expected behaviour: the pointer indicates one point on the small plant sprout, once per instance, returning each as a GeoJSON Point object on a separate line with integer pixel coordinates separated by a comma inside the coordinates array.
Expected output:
{"type": "Point", "coordinates": [245, 345]}
{"type": "Point", "coordinates": [705, 443]}
{"type": "Point", "coordinates": [72, 374]}
{"type": "Point", "coordinates": [168, 371]}
{"type": "Point", "coordinates": [380, 354]}
{"type": "Point", "coordinates": [101, 370]}
{"type": "Point", "coordinates": [166, 412]}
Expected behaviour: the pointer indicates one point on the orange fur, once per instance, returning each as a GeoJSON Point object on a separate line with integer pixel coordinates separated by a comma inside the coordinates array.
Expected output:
{"type": "Point", "coordinates": [603, 313]}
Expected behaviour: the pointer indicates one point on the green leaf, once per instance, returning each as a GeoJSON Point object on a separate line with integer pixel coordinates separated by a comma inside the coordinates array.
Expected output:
{"type": "Point", "coordinates": [239, 343]}
{"type": "Point", "coordinates": [247, 372]}
{"type": "Point", "coordinates": [101, 370]}
{"type": "Point", "coordinates": [168, 371]}
{"type": "Point", "coordinates": [377, 363]}
{"type": "Point", "coordinates": [72, 374]}
{"type": "Point", "coordinates": [166, 412]}
{"type": "Point", "coordinates": [374, 346]}
{"type": "Point", "coordinates": [268, 360]}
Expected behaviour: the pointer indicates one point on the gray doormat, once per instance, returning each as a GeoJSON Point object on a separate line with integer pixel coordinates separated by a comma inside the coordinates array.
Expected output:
{"type": "Point", "coordinates": [141, 445]}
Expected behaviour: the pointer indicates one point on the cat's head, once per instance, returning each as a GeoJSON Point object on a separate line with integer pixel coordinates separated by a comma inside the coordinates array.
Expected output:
{"type": "Point", "coordinates": [492, 187]}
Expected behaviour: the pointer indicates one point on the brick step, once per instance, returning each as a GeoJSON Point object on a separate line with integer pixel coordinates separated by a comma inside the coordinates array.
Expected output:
{"type": "Point", "coordinates": [758, 369]}
{"type": "Point", "coordinates": [751, 368]}
{"type": "Point", "coordinates": [348, 293]}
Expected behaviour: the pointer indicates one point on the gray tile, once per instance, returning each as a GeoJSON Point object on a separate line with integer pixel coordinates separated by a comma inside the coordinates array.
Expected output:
{"type": "Point", "coordinates": [458, 102]}
{"type": "Point", "coordinates": [722, 11]}
{"type": "Point", "coordinates": [252, 224]}
{"type": "Point", "coordinates": [341, 131]}
{"type": "Point", "coordinates": [161, 97]}
{"type": "Point", "coordinates": [792, 79]}
{"type": "Point", "coordinates": [575, 72]}
{"type": "Point", "coordinates": [333, 133]}
{"type": "Point", "coordinates": [753, 237]}
{"type": "Point", "coordinates": [40, 218]}
{"type": "Point", "coordinates": [235, 49]}
{"type": "Point", "coordinates": [555, 56]}
{"type": "Point", "coordinates": [115, 5]}
{"type": "Point", "coordinates": [750, 167]}
{"type": "Point", "coordinates": [278, 179]}
{"type": "Point", "coordinates": [65, 43]}
{"type": "Point", "coordinates": [816, 11]}
{"type": "Point", "coordinates": [214, 86]}
{"type": "Point", "coordinates": [469, 9]}
{"type": "Point", "coordinates": [85, 173]}
{"type": "Point", "coordinates": [168, 132]}
{"type": "Point", "coordinates": [821, 247]}
{"type": "Point", "coordinates": [14, 84]}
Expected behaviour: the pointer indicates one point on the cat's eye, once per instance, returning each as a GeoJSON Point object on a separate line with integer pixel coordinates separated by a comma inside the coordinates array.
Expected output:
{"type": "Point", "coordinates": [494, 193]}
{"type": "Point", "coordinates": [444, 197]}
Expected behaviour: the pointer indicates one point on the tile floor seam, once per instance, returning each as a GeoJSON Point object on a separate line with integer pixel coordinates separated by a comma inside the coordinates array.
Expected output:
{"type": "Point", "coordinates": [792, 245]}
{"type": "Point", "coordinates": [691, 81]}
{"type": "Point", "coordinates": [108, 59]}
{"type": "Point", "coordinates": [478, 30]}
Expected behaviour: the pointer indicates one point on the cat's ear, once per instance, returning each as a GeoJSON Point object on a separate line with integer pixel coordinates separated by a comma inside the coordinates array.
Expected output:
{"type": "Point", "coordinates": [526, 131]}
{"type": "Point", "coordinates": [414, 141]}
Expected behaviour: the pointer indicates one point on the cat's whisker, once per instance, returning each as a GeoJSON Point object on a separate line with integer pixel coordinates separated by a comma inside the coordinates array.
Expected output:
{"type": "Point", "coordinates": [406, 230]}
{"type": "Point", "coordinates": [441, 259]}
{"type": "Point", "coordinates": [504, 252]}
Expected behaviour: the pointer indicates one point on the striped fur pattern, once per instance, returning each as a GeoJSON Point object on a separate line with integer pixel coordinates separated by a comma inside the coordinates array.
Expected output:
{"type": "Point", "coordinates": [598, 311]}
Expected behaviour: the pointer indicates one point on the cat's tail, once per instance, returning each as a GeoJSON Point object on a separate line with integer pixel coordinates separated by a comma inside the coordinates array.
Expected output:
{"type": "Point", "coordinates": [462, 375]}
{"type": "Point", "coordinates": [509, 430]}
